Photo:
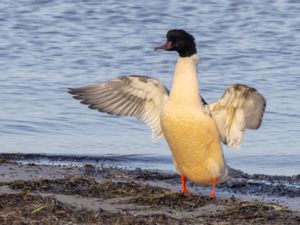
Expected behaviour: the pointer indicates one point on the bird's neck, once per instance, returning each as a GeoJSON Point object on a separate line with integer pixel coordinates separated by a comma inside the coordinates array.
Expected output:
{"type": "Point", "coordinates": [185, 83]}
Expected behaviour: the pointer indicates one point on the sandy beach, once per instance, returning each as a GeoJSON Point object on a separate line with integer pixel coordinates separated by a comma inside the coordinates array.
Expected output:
{"type": "Point", "coordinates": [87, 194]}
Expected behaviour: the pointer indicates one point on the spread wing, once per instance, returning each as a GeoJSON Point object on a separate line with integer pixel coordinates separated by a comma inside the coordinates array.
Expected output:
{"type": "Point", "coordinates": [240, 108]}
{"type": "Point", "coordinates": [139, 96]}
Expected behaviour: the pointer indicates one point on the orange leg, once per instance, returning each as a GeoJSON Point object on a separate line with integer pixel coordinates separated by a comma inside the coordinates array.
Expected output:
{"type": "Point", "coordinates": [214, 183]}
{"type": "Point", "coordinates": [184, 189]}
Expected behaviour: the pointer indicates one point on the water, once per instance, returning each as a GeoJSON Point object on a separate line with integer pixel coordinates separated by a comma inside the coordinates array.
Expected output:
{"type": "Point", "coordinates": [48, 46]}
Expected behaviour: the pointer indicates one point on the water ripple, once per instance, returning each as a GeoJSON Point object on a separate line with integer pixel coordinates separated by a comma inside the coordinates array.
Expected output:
{"type": "Point", "coordinates": [48, 46]}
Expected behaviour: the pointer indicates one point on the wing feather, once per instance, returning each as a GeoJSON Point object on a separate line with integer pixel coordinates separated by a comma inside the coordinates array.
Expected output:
{"type": "Point", "coordinates": [138, 96]}
{"type": "Point", "coordinates": [240, 108]}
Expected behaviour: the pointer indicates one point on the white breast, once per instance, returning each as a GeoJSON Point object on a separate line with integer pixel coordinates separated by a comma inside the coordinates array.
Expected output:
{"type": "Point", "coordinates": [191, 135]}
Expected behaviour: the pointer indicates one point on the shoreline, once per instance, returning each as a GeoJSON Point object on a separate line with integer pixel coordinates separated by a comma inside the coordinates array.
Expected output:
{"type": "Point", "coordinates": [110, 195]}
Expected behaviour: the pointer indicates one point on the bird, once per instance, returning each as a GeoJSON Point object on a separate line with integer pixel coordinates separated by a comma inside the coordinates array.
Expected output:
{"type": "Point", "coordinates": [193, 129]}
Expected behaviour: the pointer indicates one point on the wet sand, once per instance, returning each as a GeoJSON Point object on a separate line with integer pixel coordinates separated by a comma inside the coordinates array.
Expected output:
{"type": "Point", "coordinates": [33, 193]}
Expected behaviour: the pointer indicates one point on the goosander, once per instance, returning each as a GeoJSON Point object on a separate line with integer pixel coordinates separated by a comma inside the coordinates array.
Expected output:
{"type": "Point", "coordinates": [192, 128]}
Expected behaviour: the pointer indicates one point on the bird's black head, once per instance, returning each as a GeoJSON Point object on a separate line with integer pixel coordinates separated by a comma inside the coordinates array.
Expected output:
{"type": "Point", "coordinates": [180, 41]}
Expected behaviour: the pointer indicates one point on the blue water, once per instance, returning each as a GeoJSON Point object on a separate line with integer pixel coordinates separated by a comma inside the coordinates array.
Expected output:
{"type": "Point", "coordinates": [47, 46]}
